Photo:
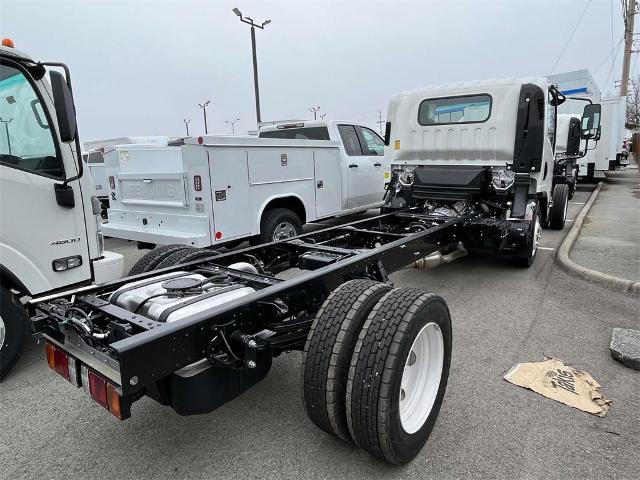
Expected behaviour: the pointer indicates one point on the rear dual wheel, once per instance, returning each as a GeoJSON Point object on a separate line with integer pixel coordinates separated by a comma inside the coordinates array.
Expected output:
{"type": "Point", "coordinates": [393, 377]}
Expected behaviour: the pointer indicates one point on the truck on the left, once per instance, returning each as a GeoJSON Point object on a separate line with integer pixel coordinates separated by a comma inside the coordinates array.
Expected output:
{"type": "Point", "coordinates": [50, 223]}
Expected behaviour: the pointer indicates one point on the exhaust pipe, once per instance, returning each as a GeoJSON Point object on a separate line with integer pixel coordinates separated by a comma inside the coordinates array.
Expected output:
{"type": "Point", "coordinates": [437, 258]}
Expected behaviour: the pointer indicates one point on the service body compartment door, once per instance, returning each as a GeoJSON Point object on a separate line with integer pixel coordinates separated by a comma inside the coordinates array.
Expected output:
{"type": "Point", "coordinates": [230, 193]}
{"type": "Point", "coordinates": [328, 182]}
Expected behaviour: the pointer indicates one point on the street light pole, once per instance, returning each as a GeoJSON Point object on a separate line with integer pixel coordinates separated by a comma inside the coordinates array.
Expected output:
{"type": "Point", "coordinates": [232, 123]}
{"type": "Point", "coordinates": [314, 110]}
{"type": "Point", "coordinates": [6, 129]}
{"type": "Point", "coordinates": [186, 124]}
{"type": "Point", "coordinates": [249, 21]}
{"type": "Point", "coordinates": [204, 112]}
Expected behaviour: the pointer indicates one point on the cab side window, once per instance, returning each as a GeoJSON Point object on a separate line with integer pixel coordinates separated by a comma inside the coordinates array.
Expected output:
{"type": "Point", "coordinates": [372, 142]}
{"type": "Point", "coordinates": [350, 140]}
{"type": "Point", "coordinates": [26, 140]}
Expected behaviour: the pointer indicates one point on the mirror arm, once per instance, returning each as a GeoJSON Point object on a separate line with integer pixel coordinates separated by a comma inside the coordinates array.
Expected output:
{"type": "Point", "coordinates": [78, 155]}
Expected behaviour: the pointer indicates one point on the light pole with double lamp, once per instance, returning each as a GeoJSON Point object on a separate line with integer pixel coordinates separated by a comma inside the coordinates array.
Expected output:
{"type": "Point", "coordinates": [249, 21]}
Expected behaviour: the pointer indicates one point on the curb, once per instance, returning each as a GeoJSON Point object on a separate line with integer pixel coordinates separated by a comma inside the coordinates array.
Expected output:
{"type": "Point", "coordinates": [562, 257]}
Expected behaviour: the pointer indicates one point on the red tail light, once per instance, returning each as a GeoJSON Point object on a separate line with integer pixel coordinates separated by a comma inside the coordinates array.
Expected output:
{"type": "Point", "coordinates": [112, 182]}
{"type": "Point", "coordinates": [96, 387]}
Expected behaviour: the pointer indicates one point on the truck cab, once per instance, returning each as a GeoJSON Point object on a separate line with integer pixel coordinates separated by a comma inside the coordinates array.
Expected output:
{"type": "Point", "coordinates": [485, 149]}
{"type": "Point", "coordinates": [364, 167]}
{"type": "Point", "coordinates": [50, 224]}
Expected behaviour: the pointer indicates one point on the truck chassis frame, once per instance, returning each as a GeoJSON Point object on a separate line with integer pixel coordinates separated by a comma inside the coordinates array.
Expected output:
{"type": "Point", "coordinates": [147, 351]}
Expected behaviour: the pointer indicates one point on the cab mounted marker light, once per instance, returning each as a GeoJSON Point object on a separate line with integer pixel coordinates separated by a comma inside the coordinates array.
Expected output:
{"type": "Point", "coordinates": [7, 42]}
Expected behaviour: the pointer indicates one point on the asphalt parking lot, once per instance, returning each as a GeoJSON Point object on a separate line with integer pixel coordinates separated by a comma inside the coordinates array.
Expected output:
{"type": "Point", "coordinates": [487, 427]}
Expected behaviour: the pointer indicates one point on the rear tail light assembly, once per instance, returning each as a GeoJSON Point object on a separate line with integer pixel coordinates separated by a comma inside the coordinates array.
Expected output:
{"type": "Point", "coordinates": [94, 385]}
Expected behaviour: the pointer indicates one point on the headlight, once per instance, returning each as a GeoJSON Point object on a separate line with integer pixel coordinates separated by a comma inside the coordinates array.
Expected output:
{"type": "Point", "coordinates": [502, 179]}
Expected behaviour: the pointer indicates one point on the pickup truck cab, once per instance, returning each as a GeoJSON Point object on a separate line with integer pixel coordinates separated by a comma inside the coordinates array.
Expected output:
{"type": "Point", "coordinates": [218, 189]}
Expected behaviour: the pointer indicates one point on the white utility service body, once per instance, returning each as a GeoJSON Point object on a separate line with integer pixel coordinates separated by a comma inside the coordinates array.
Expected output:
{"type": "Point", "coordinates": [50, 224]}
{"type": "Point", "coordinates": [217, 189]}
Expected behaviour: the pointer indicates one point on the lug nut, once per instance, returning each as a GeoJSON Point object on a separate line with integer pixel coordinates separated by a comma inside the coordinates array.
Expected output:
{"type": "Point", "coordinates": [251, 364]}
{"type": "Point", "coordinates": [252, 343]}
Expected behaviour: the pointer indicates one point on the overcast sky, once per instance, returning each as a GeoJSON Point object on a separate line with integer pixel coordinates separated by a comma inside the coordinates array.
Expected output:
{"type": "Point", "coordinates": [140, 67]}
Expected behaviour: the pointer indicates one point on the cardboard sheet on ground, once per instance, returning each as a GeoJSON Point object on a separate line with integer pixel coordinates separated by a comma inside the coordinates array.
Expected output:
{"type": "Point", "coordinates": [553, 379]}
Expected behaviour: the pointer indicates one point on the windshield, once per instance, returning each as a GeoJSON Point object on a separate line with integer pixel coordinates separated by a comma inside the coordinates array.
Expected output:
{"type": "Point", "coordinates": [25, 136]}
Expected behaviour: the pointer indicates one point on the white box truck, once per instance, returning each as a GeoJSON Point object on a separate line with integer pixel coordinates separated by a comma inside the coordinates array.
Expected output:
{"type": "Point", "coordinates": [220, 189]}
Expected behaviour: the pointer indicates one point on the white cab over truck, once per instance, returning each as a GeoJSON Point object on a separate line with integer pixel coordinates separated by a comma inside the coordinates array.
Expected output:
{"type": "Point", "coordinates": [50, 224]}
{"type": "Point", "coordinates": [483, 148]}
{"type": "Point", "coordinates": [219, 189]}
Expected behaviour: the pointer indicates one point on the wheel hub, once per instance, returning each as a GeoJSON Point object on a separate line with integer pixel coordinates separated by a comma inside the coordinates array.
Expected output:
{"type": "Point", "coordinates": [421, 377]}
{"type": "Point", "coordinates": [283, 231]}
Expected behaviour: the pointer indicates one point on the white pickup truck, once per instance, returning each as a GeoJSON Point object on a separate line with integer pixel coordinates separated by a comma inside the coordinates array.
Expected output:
{"type": "Point", "coordinates": [219, 189]}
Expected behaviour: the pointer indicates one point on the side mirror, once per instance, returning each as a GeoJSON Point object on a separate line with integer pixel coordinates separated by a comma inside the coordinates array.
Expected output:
{"type": "Point", "coordinates": [590, 120]}
{"type": "Point", "coordinates": [65, 109]}
{"type": "Point", "coordinates": [387, 133]}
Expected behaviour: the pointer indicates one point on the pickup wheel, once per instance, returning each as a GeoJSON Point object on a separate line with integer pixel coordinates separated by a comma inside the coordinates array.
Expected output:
{"type": "Point", "coordinates": [14, 330]}
{"type": "Point", "coordinates": [398, 374]}
{"type": "Point", "coordinates": [151, 259]}
{"type": "Point", "coordinates": [558, 213]}
{"type": "Point", "coordinates": [279, 224]}
{"type": "Point", "coordinates": [327, 353]}
{"type": "Point", "coordinates": [185, 256]}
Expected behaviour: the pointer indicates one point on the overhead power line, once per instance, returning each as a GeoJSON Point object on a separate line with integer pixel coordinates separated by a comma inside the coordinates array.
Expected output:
{"type": "Point", "coordinates": [571, 36]}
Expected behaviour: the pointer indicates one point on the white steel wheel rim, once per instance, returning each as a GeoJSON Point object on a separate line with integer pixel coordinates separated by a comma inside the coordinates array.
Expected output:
{"type": "Point", "coordinates": [284, 230]}
{"type": "Point", "coordinates": [2, 332]}
{"type": "Point", "coordinates": [421, 377]}
{"type": "Point", "coordinates": [536, 237]}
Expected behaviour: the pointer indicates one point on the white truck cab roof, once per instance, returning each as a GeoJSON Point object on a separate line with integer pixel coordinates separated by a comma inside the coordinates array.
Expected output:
{"type": "Point", "coordinates": [462, 123]}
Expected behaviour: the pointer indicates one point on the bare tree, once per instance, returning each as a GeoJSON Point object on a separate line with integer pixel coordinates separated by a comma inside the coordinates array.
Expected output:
{"type": "Point", "coordinates": [633, 105]}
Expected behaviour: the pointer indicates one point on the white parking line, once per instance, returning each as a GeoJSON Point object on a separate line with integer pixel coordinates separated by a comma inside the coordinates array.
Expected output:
{"type": "Point", "coordinates": [546, 248]}
{"type": "Point", "coordinates": [578, 203]}
{"type": "Point", "coordinates": [567, 220]}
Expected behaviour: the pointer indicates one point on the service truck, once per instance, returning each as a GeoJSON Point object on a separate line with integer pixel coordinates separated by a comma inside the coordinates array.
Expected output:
{"type": "Point", "coordinates": [484, 149]}
{"type": "Point", "coordinates": [50, 224]}
{"type": "Point", "coordinates": [222, 189]}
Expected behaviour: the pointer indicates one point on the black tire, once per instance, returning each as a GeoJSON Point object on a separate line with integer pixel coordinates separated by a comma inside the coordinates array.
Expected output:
{"type": "Point", "coordinates": [327, 353]}
{"type": "Point", "coordinates": [377, 365]}
{"type": "Point", "coordinates": [558, 213]}
{"type": "Point", "coordinates": [185, 256]}
{"type": "Point", "coordinates": [151, 259]}
{"type": "Point", "coordinates": [17, 328]}
{"type": "Point", "coordinates": [273, 219]}
{"type": "Point", "coordinates": [526, 261]}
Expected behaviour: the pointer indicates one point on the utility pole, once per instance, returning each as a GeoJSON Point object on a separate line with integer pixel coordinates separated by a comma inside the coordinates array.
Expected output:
{"type": "Point", "coordinates": [186, 124]}
{"type": "Point", "coordinates": [204, 106]}
{"type": "Point", "coordinates": [6, 129]}
{"type": "Point", "coordinates": [249, 21]}
{"type": "Point", "coordinates": [232, 123]}
{"type": "Point", "coordinates": [314, 110]}
{"type": "Point", "coordinates": [628, 45]}
{"type": "Point", "coordinates": [380, 122]}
